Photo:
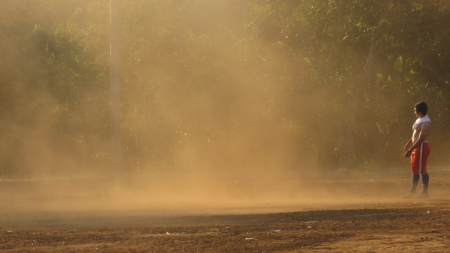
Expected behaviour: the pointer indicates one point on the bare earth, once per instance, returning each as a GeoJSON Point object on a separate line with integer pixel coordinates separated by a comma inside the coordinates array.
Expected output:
{"type": "Point", "coordinates": [377, 219]}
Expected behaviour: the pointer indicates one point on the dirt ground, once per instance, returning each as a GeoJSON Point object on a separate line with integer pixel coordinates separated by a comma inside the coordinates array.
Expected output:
{"type": "Point", "coordinates": [363, 213]}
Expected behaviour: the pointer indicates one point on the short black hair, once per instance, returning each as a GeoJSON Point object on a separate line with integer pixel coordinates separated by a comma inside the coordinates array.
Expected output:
{"type": "Point", "coordinates": [421, 107]}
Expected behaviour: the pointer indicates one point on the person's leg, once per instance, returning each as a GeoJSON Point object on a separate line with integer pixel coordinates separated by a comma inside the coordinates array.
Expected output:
{"type": "Point", "coordinates": [415, 174]}
{"type": "Point", "coordinates": [424, 152]}
{"type": "Point", "coordinates": [414, 182]}
{"type": "Point", "coordinates": [425, 179]}
{"type": "Point", "coordinates": [415, 168]}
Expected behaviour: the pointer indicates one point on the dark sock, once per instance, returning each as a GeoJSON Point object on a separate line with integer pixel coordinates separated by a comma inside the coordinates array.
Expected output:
{"type": "Point", "coordinates": [414, 181]}
{"type": "Point", "coordinates": [425, 179]}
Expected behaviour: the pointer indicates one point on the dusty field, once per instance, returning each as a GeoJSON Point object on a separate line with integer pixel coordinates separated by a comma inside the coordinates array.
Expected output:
{"type": "Point", "coordinates": [356, 214]}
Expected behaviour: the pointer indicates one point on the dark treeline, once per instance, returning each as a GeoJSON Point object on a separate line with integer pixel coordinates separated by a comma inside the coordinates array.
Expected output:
{"type": "Point", "coordinates": [225, 85]}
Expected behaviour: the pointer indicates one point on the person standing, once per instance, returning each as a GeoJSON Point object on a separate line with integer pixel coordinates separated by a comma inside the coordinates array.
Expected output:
{"type": "Point", "coordinates": [418, 149]}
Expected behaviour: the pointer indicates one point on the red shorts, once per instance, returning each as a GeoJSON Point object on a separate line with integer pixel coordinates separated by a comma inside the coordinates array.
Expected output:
{"type": "Point", "coordinates": [419, 157]}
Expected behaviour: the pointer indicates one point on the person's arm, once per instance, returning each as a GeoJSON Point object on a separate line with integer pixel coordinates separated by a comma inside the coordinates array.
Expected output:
{"type": "Point", "coordinates": [424, 130]}
{"type": "Point", "coordinates": [408, 144]}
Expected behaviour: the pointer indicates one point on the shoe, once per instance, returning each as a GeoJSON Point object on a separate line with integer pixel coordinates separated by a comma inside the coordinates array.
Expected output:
{"type": "Point", "coordinates": [422, 195]}
{"type": "Point", "coordinates": [409, 195]}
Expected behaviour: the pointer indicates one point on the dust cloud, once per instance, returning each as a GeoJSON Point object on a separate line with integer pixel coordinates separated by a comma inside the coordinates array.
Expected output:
{"type": "Point", "coordinates": [209, 119]}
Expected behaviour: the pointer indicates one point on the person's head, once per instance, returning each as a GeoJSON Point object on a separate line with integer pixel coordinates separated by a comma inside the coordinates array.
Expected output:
{"type": "Point", "coordinates": [421, 108]}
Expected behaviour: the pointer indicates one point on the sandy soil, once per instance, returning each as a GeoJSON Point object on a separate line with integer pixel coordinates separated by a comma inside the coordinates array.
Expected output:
{"type": "Point", "coordinates": [357, 214]}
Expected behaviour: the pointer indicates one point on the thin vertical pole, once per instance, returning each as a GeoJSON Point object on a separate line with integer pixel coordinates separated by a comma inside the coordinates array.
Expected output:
{"type": "Point", "coordinates": [116, 146]}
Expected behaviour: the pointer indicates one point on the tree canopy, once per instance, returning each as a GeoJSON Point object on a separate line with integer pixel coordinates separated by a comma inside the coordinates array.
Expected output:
{"type": "Point", "coordinates": [222, 85]}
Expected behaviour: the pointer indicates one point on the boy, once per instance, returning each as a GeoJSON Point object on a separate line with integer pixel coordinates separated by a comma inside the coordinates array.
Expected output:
{"type": "Point", "coordinates": [418, 149]}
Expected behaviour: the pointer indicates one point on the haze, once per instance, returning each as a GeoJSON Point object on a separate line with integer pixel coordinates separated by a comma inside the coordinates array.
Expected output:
{"type": "Point", "coordinates": [222, 105]}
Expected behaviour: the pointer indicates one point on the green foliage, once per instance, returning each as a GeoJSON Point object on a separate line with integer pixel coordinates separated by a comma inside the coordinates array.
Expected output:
{"type": "Point", "coordinates": [236, 80]}
{"type": "Point", "coordinates": [371, 57]}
